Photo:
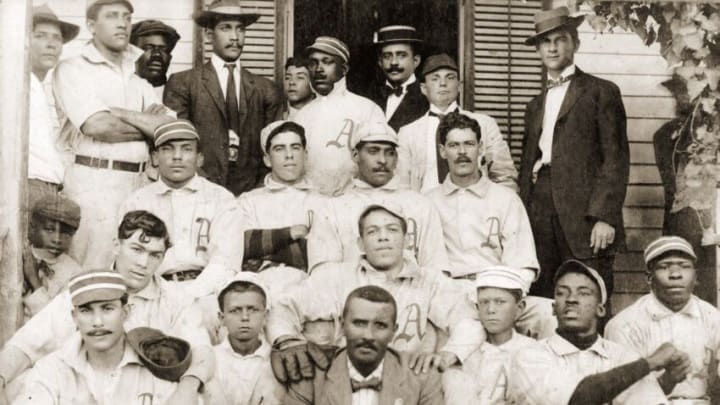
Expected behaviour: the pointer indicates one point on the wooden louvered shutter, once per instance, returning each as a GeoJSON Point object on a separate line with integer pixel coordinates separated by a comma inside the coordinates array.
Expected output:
{"type": "Point", "coordinates": [258, 54]}
{"type": "Point", "coordinates": [507, 73]}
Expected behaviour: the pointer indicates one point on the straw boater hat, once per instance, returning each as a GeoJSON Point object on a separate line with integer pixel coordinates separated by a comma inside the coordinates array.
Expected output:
{"type": "Point", "coordinates": [549, 20]}
{"type": "Point", "coordinates": [397, 34]}
{"type": "Point", "coordinates": [225, 9]}
{"type": "Point", "coordinates": [43, 14]}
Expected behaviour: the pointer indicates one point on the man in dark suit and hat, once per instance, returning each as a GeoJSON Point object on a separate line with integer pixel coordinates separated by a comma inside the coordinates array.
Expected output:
{"type": "Point", "coordinates": [575, 161]}
{"type": "Point", "coordinates": [228, 104]}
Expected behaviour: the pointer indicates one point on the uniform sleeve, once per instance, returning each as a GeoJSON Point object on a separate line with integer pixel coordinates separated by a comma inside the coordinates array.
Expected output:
{"type": "Point", "coordinates": [76, 100]}
{"type": "Point", "coordinates": [518, 250]}
{"type": "Point", "coordinates": [497, 153]}
{"type": "Point", "coordinates": [43, 384]}
{"type": "Point", "coordinates": [536, 379]}
{"type": "Point", "coordinates": [324, 244]}
{"type": "Point", "coordinates": [431, 249]}
{"type": "Point", "coordinates": [645, 391]}
{"type": "Point", "coordinates": [404, 166]}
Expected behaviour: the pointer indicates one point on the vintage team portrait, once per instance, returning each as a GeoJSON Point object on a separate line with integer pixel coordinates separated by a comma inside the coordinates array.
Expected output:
{"type": "Point", "coordinates": [345, 202]}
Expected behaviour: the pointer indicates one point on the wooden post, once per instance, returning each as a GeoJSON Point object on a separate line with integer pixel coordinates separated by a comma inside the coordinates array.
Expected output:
{"type": "Point", "coordinates": [466, 51]}
{"type": "Point", "coordinates": [14, 86]}
{"type": "Point", "coordinates": [198, 37]}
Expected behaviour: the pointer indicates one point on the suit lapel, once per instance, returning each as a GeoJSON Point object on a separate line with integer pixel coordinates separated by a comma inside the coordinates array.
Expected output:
{"type": "Point", "coordinates": [393, 385]}
{"type": "Point", "coordinates": [408, 103]}
{"type": "Point", "coordinates": [573, 93]}
{"type": "Point", "coordinates": [212, 85]}
{"type": "Point", "coordinates": [337, 388]}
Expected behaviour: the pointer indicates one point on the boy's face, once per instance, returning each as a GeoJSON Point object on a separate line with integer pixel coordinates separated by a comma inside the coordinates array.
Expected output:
{"type": "Point", "coordinates": [498, 309]}
{"type": "Point", "coordinates": [51, 235]}
{"type": "Point", "coordinates": [243, 315]}
{"type": "Point", "coordinates": [297, 84]}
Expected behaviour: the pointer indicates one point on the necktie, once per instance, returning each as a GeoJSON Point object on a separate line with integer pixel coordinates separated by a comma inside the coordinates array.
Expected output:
{"type": "Point", "coordinates": [442, 165]}
{"type": "Point", "coordinates": [558, 82]}
{"type": "Point", "coordinates": [231, 101]}
{"type": "Point", "coordinates": [372, 384]}
{"type": "Point", "coordinates": [388, 90]}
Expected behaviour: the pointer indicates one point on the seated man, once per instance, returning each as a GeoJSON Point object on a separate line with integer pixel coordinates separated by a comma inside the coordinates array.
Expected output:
{"type": "Point", "coordinates": [424, 296]}
{"type": "Point", "coordinates": [46, 265]}
{"type": "Point", "coordinates": [97, 365]}
{"type": "Point", "coordinates": [243, 374]}
{"type": "Point", "coordinates": [367, 371]}
{"type": "Point", "coordinates": [576, 365]}
{"type": "Point", "coordinates": [671, 313]}
{"type": "Point", "coordinates": [483, 377]}
{"type": "Point", "coordinates": [204, 253]}
{"type": "Point", "coordinates": [374, 150]}
{"type": "Point", "coordinates": [485, 224]}
{"type": "Point", "coordinates": [141, 245]}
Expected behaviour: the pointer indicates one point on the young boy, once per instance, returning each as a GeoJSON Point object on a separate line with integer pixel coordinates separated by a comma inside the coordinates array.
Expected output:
{"type": "Point", "coordinates": [297, 86]}
{"type": "Point", "coordinates": [46, 265]}
{"type": "Point", "coordinates": [482, 379]}
{"type": "Point", "coordinates": [244, 374]}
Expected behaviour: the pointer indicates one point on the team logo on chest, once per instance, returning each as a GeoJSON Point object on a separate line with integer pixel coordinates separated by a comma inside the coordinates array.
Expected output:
{"type": "Point", "coordinates": [345, 134]}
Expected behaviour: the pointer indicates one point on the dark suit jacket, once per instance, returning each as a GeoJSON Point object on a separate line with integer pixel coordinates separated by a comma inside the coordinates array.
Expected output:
{"type": "Point", "coordinates": [412, 106]}
{"type": "Point", "coordinates": [400, 386]}
{"type": "Point", "coordinates": [196, 95]}
{"type": "Point", "coordinates": [590, 159]}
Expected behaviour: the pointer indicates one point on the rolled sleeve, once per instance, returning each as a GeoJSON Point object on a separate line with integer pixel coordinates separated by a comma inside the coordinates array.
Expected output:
{"type": "Point", "coordinates": [47, 330]}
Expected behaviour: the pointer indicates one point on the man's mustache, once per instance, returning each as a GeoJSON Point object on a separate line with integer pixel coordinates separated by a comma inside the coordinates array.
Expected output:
{"type": "Point", "coordinates": [395, 69]}
{"type": "Point", "coordinates": [463, 159]}
{"type": "Point", "coordinates": [366, 344]}
{"type": "Point", "coordinates": [99, 332]}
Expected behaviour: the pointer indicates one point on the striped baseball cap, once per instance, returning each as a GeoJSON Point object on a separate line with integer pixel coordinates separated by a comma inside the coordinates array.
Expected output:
{"type": "Point", "coordinates": [331, 46]}
{"type": "Point", "coordinates": [576, 266]}
{"type": "Point", "coordinates": [665, 244]}
{"type": "Point", "coordinates": [96, 285]}
{"type": "Point", "coordinates": [500, 277]}
{"type": "Point", "coordinates": [175, 130]}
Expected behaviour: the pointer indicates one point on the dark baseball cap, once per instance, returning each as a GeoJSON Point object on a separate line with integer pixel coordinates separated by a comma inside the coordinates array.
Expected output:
{"type": "Point", "coordinates": [59, 208]}
{"type": "Point", "coordinates": [166, 357]}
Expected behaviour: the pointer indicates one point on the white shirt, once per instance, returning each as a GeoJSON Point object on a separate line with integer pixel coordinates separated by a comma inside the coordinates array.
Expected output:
{"type": "Point", "coordinates": [553, 101]}
{"type": "Point", "coordinates": [365, 396]}
{"type": "Point", "coordinates": [45, 161]}
{"type": "Point", "coordinates": [222, 73]}
{"type": "Point", "coordinates": [393, 101]}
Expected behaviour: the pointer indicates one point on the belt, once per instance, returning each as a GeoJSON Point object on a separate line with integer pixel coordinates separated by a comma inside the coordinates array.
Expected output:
{"type": "Point", "coordinates": [184, 275]}
{"type": "Point", "coordinates": [99, 163]}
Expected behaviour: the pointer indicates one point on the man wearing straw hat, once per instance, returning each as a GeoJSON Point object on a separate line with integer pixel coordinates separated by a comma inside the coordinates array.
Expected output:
{"type": "Point", "coordinates": [575, 161]}
{"type": "Point", "coordinates": [228, 104]}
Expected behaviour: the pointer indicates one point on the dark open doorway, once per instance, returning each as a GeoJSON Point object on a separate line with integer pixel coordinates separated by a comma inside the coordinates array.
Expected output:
{"type": "Point", "coordinates": [355, 22]}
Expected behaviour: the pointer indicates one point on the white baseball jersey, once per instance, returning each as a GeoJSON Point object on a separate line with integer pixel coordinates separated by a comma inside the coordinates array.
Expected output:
{"type": "Point", "coordinates": [204, 228]}
{"type": "Point", "coordinates": [424, 231]}
{"type": "Point", "coordinates": [695, 330]}
{"type": "Point", "coordinates": [422, 295]}
{"type": "Point", "coordinates": [483, 377]}
{"type": "Point", "coordinates": [549, 372]}
{"type": "Point", "coordinates": [484, 225]}
{"type": "Point", "coordinates": [329, 122]}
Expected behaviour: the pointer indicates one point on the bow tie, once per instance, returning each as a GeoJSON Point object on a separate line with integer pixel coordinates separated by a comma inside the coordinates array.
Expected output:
{"type": "Point", "coordinates": [371, 384]}
{"type": "Point", "coordinates": [387, 90]}
{"type": "Point", "coordinates": [441, 116]}
{"type": "Point", "coordinates": [558, 82]}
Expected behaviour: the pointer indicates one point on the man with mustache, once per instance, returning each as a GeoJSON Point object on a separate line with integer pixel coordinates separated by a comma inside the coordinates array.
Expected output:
{"type": "Point", "coordinates": [142, 240]}
{"type": "Point", "coordinates": [374, 150]}
{"type": "Point", "coordinates": [671, 313]}
{"type": "Point", "coordinates": [419, 165]}
{"type": "Point", "coordinates": [575, 365]}
{"type": "Point", "coordinates": [98, 365]}
{"type": "Point", "coordinates": [398, 48]}
{"type": "Point", "coordinates": [227, 103]}
{"type": "Point", "coordinates": [109, 116]}
{"type": "Point", "coordinates": [484, 224]}
{"type": "Point", "coordinates": [157, 40]}
{"type": "Point", "coordinates": [333, 117]}
{"type": "Point", "coordinates": [367, 371]}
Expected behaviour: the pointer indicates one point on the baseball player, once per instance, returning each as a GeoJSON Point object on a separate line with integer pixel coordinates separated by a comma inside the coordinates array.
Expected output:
{"type": "Point", "coordinates": [483, 377]}
{"type": "Point", "coordinates": [423, 297]}
{"type": "Point", "coordinates": [578, 366]}
{"type": "Point", "coordinates": [331, 119]}
{"type": "Point", "coordinates": [375, 148]}
{"type": "Point", "coordinates": [142, 242]}
{"type": "Point", "coordinates": [97, 366]}
{"type": "Point", "coordinates": [243, 374]}
{"type": "Point", "coordinates": [46, 265]}
{"type": "Point", "coordinates": [420, 166]}
{"type": "Point", "coordinates": [203, 253]}
{"type": "Point", "coordinates": [671, 313]}
{"type": "Point", "coordinates": [296, 85]}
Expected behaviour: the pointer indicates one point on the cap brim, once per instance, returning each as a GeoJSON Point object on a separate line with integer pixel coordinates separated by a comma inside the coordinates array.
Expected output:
{"type": "Point", "coordinates": [206, 19]}
{"type": "Point", "coordinates": [576, 266]}
{"type": "Point", "coordinates": [97, 295]}
{"type": "Point", "coordinates": [571, 22]}
{"type": "Point", "coordinates": [69, 31]}
{"type": "Point", "coordinates": [140, 339]}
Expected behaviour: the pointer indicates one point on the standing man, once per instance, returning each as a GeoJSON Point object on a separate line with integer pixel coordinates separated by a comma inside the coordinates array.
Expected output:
{"type": "Point", "coordinates": [228, 104]}
{"type": "Point", "coordinates": [398, 48]}
{"type": "Point", "coordinates": [296, 84]}
{"type": "Point", "coordinates": [332, 118]}
{"type": "Point", "coordinates": [46, 165]}
{"type": "Point", "coordinates": [575, 161]}
{"type": "Point", "coordinates": [111, 115]}
{"type": "Point", "coordinates": [671, 313]}
{"type": "Point", "coordinates": [420, 166]}
{"type": "Point", "coordinates": [367, 371]}
{"type": "Point", "coordinates": [157, 40]}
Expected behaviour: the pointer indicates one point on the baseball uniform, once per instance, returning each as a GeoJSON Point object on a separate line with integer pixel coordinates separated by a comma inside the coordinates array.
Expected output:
{"type": "Point", "coordinates": [329, 123]}
{"type": "Point", "coordinates": [695, 330]}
